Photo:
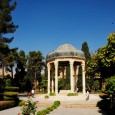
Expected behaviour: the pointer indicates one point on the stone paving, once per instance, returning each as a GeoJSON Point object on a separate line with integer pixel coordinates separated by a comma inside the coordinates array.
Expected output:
{"type": "Point", "coordinates": [74, 105]}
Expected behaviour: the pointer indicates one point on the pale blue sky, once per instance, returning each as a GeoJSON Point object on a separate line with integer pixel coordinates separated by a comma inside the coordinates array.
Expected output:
{"type": "Point", "coordinates": [46, 24]}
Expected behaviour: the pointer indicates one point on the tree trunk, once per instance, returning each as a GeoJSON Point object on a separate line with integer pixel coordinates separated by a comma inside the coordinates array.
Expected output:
{"type": "Point", "coordinates": [35, 81]}
{"type": "Point", "coordinates": [2, 70]}
{"type": "Point", "coordinates": [12, 72]}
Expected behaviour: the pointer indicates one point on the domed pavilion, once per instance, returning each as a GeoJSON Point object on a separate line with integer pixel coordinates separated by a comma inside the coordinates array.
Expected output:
{"type": "Point", "coordinates": [58, 60]}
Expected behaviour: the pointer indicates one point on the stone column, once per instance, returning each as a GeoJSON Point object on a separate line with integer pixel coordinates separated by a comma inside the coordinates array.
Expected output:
{"type": "Point", "coordinates": [56, 77]}
{"type": "Point", "coordinates": [83, 77]}
{"type": "Point", "coordinates": [52, 84]}
{"type": "Point", "coordinates": [48, 66]}
{"type": "Point", "coordinates": [71, 75]}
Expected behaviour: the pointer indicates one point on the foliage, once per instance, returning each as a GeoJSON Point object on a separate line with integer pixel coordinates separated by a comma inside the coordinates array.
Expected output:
{"type": "Point", "coordinates": [8, 81]}
{"type": "Point", "coordinates": [103, 96]}
{"type": "Point", "coordinates": [11, 88]}
{"type": "Point", "coordinates": [52, 94]}
{"type": "Point", "coordinates": [6, 26]}
{"type": "Point", "coordinates": [79, 82]}
{"type": "Point", "coordinates": [20, 70]}
{"type": "Point", "coordinates": [30, 82]}
{"type": "Point", "coordinates": [46, 96]}
{"type": "Point", "coordinates": [29, 107]}
{"type": "Point", "coordinates": [96, 85]}
{"type": "Point", "coordinates": [110, 84]}
{"type": "Point", "coordinates": [43, 83]}
{"type": "Point", "coordinates": [35, 66]}
{"type": "Point", "coordinates": [106, 57]}
{"type": "Point", "coordinates": [10, 93]}
{"type": "Point", "coordinates": [21, 102]}
{"type": "Point", "coordinates": [49, 109]}
{"type": "Point", "coordinates": [102, 63]}
{"type": "Point", "coordinates": [72, 94]}
{"type": "Point", "coordinates": [2, 84]}
{"type": "Point", "coordinates": [85, 49]}
{"type": "Point", "coordinates": [67, 81]}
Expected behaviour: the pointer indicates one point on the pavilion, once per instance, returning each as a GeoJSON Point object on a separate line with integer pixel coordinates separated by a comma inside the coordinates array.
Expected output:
{"type": "Point", "coordinates": [65, 55]}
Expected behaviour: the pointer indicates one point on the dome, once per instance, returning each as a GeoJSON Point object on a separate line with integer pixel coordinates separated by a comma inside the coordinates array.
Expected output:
{"type": "Point", "coordinates": [65, 50]}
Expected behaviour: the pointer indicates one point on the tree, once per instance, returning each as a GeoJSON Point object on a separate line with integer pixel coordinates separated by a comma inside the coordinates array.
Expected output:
{"type": "Point", "coordinates": [85, 49]}
{"type": "Point", "coordinates": [103, 62]}
{"type": "Point", "coordinates": [106, 57]}
{"type": "Point", "coordinates": [11, 61]}
{"type": "Point", "coordinates": [110, 84]}
{"type": "Point", "coordinates": [6, 26]}
{"type": "Point", "coordinates": [87, 54]}
{"type": "Point", "coordinates": [35, 65]}
{"type": "Point", "coordinates": [20, 70]}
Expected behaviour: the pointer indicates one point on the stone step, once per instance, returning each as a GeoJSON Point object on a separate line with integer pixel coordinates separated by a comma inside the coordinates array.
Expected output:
{"type": "Point", "coordinates": [65, 105]}
{"type": "Point", "coordinates": [64, 92]}
{"type": "Point", "coordinates": [78, 105]}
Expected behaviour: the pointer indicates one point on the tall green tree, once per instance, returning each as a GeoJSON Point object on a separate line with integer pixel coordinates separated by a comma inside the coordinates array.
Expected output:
{"type": "Point", "coordinates": [106, 57]}
{"type": "Point", "coordinates": [21, 62]}
{"type": "Point", "coordinates": [86, 51]}
{"type": "Point", "coordinates": [35, 65]}
{"type": "Point", "coordinates": [6, 26]}
{"type": "Point", "coordinates": [87, 54]}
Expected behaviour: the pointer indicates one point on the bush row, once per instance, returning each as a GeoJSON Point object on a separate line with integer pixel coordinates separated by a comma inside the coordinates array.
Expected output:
{"type": "Point", "coordinates": [72, 94]}
{"type": "Point", "coordinates": [7, 104]}
{"type": "Point", "coordinates": [15, 89]}
{"type": "Point", "coordinates": [49, 109]}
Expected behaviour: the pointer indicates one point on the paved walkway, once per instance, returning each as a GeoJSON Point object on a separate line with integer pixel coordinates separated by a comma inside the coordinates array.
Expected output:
{"type": "Point", "coordinates": [69, 105]}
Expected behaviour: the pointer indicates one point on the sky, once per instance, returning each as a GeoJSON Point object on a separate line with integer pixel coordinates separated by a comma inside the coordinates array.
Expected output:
{"type": "Point", "coordinates": [44, 25]}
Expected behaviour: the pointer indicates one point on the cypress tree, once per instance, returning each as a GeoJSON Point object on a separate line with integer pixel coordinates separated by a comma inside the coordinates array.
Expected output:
{"type": "Point", "coordinates": [85, 49]}
{"type": "Point", "coordinates": [6, 27]}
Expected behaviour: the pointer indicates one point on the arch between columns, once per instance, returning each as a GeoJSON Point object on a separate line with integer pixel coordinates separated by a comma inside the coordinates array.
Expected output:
{"type": "Point", "coordinates": [53, 67]}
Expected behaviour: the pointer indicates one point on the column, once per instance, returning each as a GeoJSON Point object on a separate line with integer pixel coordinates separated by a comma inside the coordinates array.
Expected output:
{"type": "Point", "coordinates": [83, 77]}
{"type": "Point", "coordinates": [48, 66]}
{"type": "Point", "coordinates": [71, 76]}
{"type": "Point", "coordinates": [56, 77]}
{"type": "Point", "coordinates": [52, 84]}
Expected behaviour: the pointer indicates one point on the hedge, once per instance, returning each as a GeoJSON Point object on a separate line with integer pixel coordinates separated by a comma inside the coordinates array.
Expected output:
{"type": "Point", "coordinates": [7, 104]}
{"type": "Point", "coordinates": [16, 89]}
{"type": "Point", "coordinates": [49, 109]}
{"type": "Point", "coordinates": [10, 93]}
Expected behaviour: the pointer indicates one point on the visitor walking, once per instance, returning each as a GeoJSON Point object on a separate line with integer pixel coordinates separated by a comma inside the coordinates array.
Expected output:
{"type": "Point", "coordinates": [87, 95]}
{"type": "Point", "coordinates": [32, 92]}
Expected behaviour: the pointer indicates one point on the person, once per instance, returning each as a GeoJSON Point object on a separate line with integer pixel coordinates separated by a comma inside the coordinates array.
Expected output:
{"type": "Point", "coordinates": [87, 95]}
{"type": "Point", "coordinates": [32, 92]}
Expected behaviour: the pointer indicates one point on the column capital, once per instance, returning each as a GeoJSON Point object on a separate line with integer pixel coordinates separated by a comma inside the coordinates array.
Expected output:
{"type": "Point", "coordinates": [48, 65]}
{"type": "Point", "coordinates": [56, 63]}
{"type": "Point", "coordinates": [83, 63]}
{"type": "Point", "coordinates": [71, 62]}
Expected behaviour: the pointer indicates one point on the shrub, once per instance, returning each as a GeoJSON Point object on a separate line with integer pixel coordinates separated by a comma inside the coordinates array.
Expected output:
{"type": "Point", "coordinates": [16, 89]}
{"type": "Point", "coordinates": [11, 94]}
{"type": "Point", "coordinates": [103, 96]}
{"type": "Point", "coordinates": [29, 107]}
{"type": "Point", "coordinates": [57, 103]}
{"type": "Point", "coordinates": [72, 94]}
{"type": "Point", "coordinates": [49, 109]}
{"type": "Point", "coordinates": [52, 94]}
{"type": "Point", "coordinates": [110, 84]}
{"type": "Point", "coordinates": [46, 97]}
{"type": "Point", "coordinates": [21, 102]}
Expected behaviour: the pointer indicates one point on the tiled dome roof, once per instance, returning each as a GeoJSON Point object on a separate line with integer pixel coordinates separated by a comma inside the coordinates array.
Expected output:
{"type": "Point", "coordinates": [65, 50]}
